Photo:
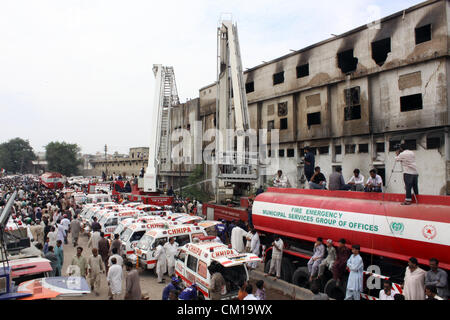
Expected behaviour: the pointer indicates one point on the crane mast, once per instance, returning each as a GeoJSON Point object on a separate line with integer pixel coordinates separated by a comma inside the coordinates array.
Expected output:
{"type": "Point", "coordinates": [235, 166]}
{"type": "Point", "coordinates": [165, 97]}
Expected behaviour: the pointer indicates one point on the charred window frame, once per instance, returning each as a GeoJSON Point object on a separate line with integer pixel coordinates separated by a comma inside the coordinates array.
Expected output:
{"type": "Point", "coordinates": [303, 71]}
{"type": "Point", "coordinates": [411, 144]}
{"type": "Point", "coordinates": [284, 124]}
{"type": "Point", "coordinates": [313, 119]}
{"type": "Point", "coordinates": [250, 87]}
{"type": "Point", "coordinates": [282, 109]}
{"type": "Point", "coordinates": [281, 153]}
{"type": "Point", "coordinates": [380, 50]}
{"type": "Point", "coordinates": [393, 145]}
{"type": "Point", "coordinates": [290, 153]}
{"type": "Point", "coordinates": [346, 61]}
{"type": "Point", "coordinates": [363, 148]}
{"type": "Point", "coordinates": [278, 78]}
{"type": "Point", "coordinates": [423, 34]}
{"type": "Point", "coordinates": [380, 147]}
{"type": "Point", "coordinates": [352, 111]}
{"type": "Point", "coordinates": [324, 150]}
{"type": "Point", "coordinates": [270, 125]}
{"type": "Point", "coordinates": [434, 143]}
{"type": "Point", "coordinates": [337, 150]}
{"type": "Point", "coordinates": [411, 102]}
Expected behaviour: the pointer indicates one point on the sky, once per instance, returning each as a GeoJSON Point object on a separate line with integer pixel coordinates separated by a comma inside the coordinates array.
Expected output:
{"type": "Point", "coordinates": [80, 71]}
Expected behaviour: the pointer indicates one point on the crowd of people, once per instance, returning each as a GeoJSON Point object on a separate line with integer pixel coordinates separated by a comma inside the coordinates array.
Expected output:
{"type": "Point", "coordinates": [357, 182]}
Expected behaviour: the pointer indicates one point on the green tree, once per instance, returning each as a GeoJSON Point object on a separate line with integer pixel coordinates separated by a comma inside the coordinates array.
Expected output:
{"type": "Point", "coordinates": [62, 157]}
{"type": "Point", "coordinates": [194, 186]}
{"type": "Point", "coordinates": [16, 156]}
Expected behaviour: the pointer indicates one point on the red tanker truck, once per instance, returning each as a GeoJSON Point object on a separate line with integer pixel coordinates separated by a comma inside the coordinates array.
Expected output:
{"type": "Point", "coordinates": [388, 233]}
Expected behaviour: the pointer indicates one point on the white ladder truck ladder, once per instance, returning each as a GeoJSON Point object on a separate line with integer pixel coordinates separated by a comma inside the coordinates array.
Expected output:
{"type": "Point", "coordinates": [233, 161]}
{"type": "Point", "coordinates": [165, 97]}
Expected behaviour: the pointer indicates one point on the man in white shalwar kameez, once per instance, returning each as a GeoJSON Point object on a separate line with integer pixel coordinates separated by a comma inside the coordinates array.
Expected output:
{"type": "Point", "coordinates": [94, 239]}
{"type": "Point", "coordinates": [114, 279]}
{"type": "Point", "coordinates": [414, 285]}
{"type": "Point", "coordinates": [355, 279]}
{"type": "Point", "coordinates": [237, 242]}
{"type": "Point", "coordinates": [255, 245]}
{"type": "Point", "coordinates": [161, 263]}
{"type": "Point", "coordinates": [171, 249]}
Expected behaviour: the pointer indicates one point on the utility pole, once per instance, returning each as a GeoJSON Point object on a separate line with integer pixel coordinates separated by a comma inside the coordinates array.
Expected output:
{"type": "Point", "coordinates": [106, 162]}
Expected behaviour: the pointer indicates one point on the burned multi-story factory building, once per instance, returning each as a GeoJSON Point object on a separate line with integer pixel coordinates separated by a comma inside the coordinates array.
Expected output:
{"type": "Point", "coordinates": [351, 98]}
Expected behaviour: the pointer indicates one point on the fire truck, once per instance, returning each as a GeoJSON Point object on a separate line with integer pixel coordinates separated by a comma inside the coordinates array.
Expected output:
{"type": "Point", "coordinates": [387, 232]}
{"type": "Point", "coordinates": [52, 180]}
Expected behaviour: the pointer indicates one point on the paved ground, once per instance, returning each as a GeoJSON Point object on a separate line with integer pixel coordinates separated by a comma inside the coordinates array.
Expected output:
{"type": "Point", "coordinates": [149, 285]}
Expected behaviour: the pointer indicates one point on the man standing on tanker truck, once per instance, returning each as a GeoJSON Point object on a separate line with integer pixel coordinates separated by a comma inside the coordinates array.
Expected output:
{"type": "Point", "coordinates": [410, 175]}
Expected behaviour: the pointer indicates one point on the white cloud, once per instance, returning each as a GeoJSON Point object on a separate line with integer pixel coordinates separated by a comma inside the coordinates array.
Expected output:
{"type": "Point", "coordinates": [81, 70]}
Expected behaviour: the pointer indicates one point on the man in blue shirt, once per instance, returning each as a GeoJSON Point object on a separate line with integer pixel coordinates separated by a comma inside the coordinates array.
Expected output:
{"type": "Point", "coordinates": [189, 293]}
{"type": "Point", "coordinates": [221, 231]}
{"type": "Point", "coordinates": [171, 286]}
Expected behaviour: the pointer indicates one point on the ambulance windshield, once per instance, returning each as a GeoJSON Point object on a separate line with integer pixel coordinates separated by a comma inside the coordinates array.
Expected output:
{"type": "Point", "coordinates": [146, 242]}
{"type": "Point", "coordinates": [126, 234]}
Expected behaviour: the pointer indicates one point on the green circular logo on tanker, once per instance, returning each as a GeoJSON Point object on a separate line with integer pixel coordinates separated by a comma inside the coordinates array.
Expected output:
{"type": "Point", "coordinates": [397, 227]}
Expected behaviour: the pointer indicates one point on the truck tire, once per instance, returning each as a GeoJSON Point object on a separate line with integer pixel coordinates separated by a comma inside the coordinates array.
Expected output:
{"type": "Point", "coordinates": [334, 291]}
{"type": "Point", "coordinates": [301, 277]}
{"type": "Point", "coordinates": [287, 269]}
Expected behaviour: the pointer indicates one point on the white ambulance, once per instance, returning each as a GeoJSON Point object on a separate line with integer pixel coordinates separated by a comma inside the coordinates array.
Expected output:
{"type": "Point", "coordinates": [188, 219]}
{"type": "Point", "coordinates": [135, 231]}
{"type": "Point", "coordinates": [210, 226]}
{"type": "Point", "coordinates": [194, 259]}
{"type": "Point", "coordinates": [110, 220]}
{"type": "Point", "coordinates": [146, 247]}
{"type": "Point", "coordinates": [125, 223]}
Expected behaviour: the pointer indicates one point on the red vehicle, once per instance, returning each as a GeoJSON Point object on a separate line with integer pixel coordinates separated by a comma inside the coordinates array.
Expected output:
{"type": "Point", "coordinates": [388, 233]}
{"type": "Point", "coordinates": [52, 180]}
{"type": "Point", "coordinates": [120, 190]}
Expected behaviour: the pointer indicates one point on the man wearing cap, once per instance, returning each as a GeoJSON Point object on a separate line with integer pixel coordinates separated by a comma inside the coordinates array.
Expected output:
{"type": "Point", "coordinates": [132, 286]}
{"type": "Point", "coordinates": [171, 286]}
{"type": "Point", "coordinates": [277, 255]}
{"type": "Point", "coordinates": [316, 259]}
{"type": "Point", "coordinates": [329, 260]}
{"type": "Point", "coordinates": [355, 279]}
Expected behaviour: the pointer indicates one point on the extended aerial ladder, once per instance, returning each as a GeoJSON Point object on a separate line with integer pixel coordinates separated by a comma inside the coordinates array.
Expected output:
{"type": "Point", "coordinates": [237, 164]}
{"type": "Point", "coordinates": [165, 97]}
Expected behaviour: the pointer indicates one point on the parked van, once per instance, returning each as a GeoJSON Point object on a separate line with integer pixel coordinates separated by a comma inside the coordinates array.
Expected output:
{"type": "Point", "coordinates": [145, 249]}
{"type": "Point", "coordinates": [194, 259]}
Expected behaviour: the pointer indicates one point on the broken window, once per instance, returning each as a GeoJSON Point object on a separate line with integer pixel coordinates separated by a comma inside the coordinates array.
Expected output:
{"type": "Point", "coordinates": [380, 50]}
{"type": "Point", "coordinates": [270, 125]}
{"type": "Point", "coordinates": [324, 150]}
{"type": "Point", "coordinates": [423, 34]}
{"type": "Point", "coordinates": [282, 109]}
{"type": "Point", "coordinates": [281, 153]}
{"type": "Point", "coordinates": [352, 110]}
{"type": "Point", "coordinates": [338, 149]}
{"type": "Point", "coordinates": [290, 153]}
{"type": "Point", "coordinates": [346, 61]}
{"type": "Point", "coordinates": [303, 71]}
{"type": "Point", "coordinates": [433, 143]}
{"type": "Point", "coordinates": [410, 103]}
{"type": "Point", "coordinates": [313, 118]}
{"type": "Point", "coordinates": [393, 145]}
{"type": "Point", "coordinates": [380, 147]}
{"type": "Point", "coordinates": [363, 148]}
{"type": "Point", "coordinates": [411, 144]}
{"type": "Point", "coordinates": [283, 124]}
{"type": "Point", "coordinates": [278, 78]}
{"type": "Point", "coordinates": [350, 148]}
{"type": "Point", "coordinates": [250, 87]}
